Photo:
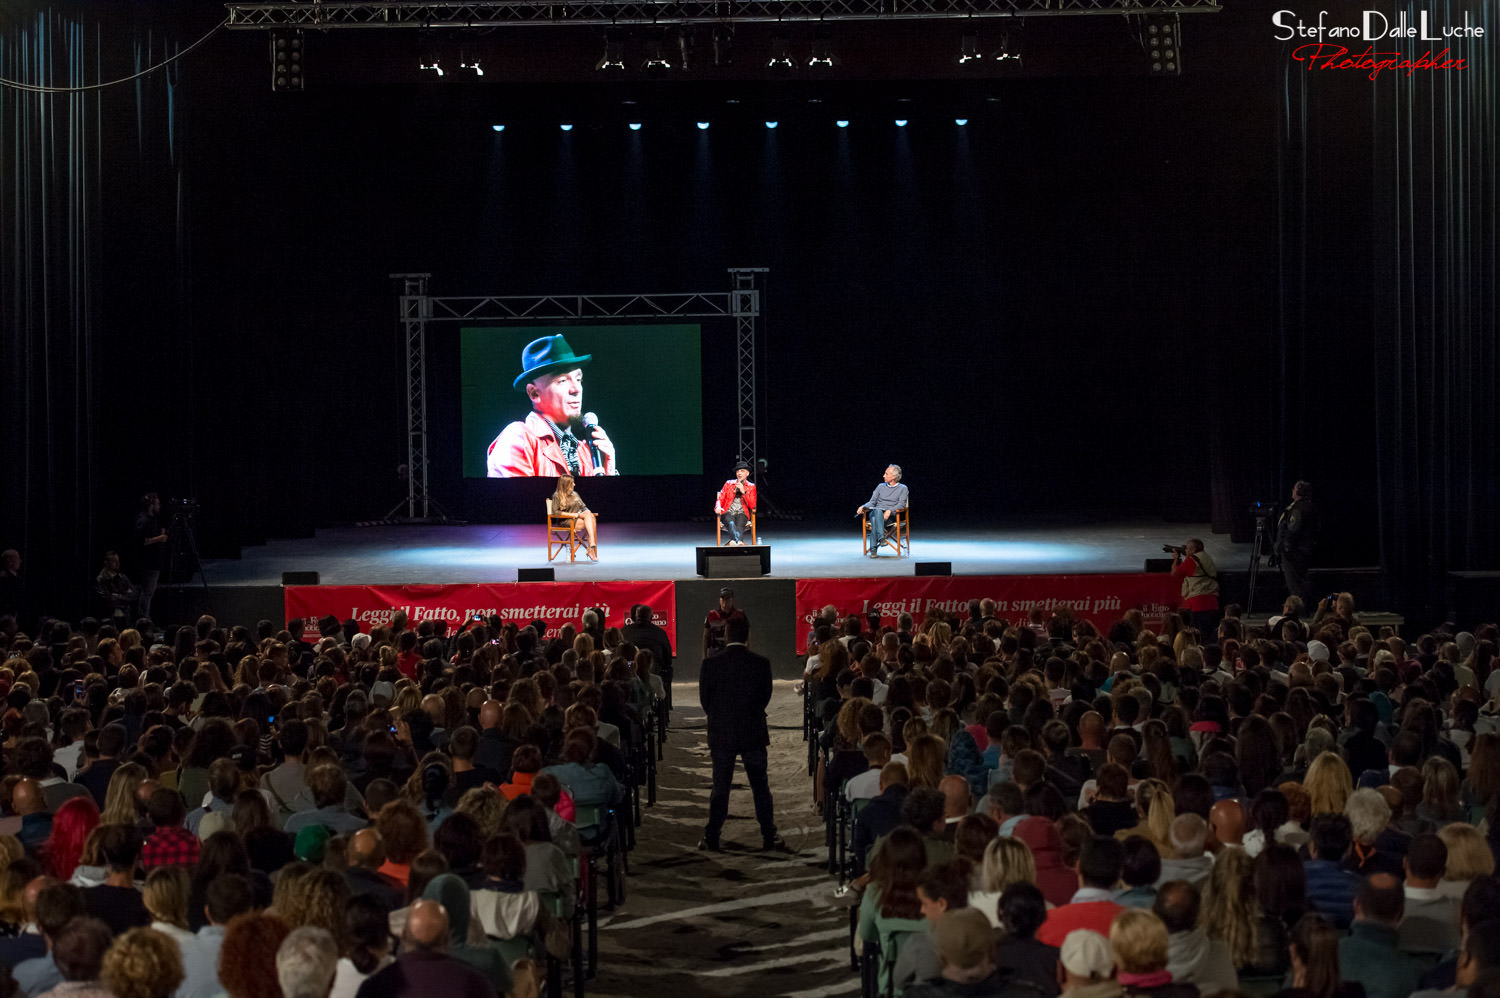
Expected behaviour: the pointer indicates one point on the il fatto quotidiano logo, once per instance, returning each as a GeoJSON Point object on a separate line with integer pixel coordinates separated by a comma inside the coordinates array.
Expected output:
{"type": "Point", "coordinates": [1375, 42]}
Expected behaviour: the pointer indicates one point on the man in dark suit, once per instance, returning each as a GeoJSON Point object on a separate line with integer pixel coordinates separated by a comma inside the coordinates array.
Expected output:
{"type": "Point", "coordinates": [734, 688]}
{"type": "Point", "coordinates": [643, 632]}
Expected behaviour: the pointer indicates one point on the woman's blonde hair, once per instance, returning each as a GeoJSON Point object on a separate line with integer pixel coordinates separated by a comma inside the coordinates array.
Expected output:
{"type": "Point", "coordinates": [1469, 856]}
{"type": "Point", "coordinates": [119, 799]}
{"type": "Point", "coordinates": [143, 963]}
{"type": "Point", "coordinates": [1230, 910]}
{"type": "Point", "coordinates": [10, 850]}
{"type": "Point", "coordinates": [166, 895]}
{"type": "Point", "coordinates": [1007, 860]}
{"type": "Point", "coordinates": [1139, 941]}
{"type": "Point", "coordinates": [1328, 784]}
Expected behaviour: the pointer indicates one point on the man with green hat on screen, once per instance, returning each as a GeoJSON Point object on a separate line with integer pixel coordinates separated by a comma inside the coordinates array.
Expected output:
{"type": "Point", "coordinates": [555, 438]}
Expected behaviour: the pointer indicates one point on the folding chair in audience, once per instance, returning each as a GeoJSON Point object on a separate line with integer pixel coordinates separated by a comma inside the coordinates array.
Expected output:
{"type": "Point", "coordinates": [893, 933]}
{"type": "Point", "coordinates": [553, 902]}
{"type": "Point", "coordinates": [599, 836]}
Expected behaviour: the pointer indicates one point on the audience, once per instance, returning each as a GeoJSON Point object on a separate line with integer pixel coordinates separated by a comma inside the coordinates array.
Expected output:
{"type": "Point", "coordinates": [1160, 811]}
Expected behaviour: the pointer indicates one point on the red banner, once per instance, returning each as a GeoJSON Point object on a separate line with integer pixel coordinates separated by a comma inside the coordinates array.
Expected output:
{"type": "Point", "coordinates": [557, 603]}
{"type": "Point", "coordinates": [1099, 598]}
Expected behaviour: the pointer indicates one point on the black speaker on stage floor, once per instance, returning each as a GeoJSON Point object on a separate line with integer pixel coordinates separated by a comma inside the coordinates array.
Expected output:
{"type": "Point", "coordinates": [1158, 564]}
{"type": "Point", "coordinates": [933, 568]}
{"type": "Point", "coordinates": [734, 563]}
{"type": "Point", "coordinates": [299, 578]}
{"type": "Point", "coordinates": [535, 575]}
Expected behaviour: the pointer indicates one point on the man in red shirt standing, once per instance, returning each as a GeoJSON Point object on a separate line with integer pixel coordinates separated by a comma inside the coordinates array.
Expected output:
{"type": "Point", "coordinates": [1200, 586]}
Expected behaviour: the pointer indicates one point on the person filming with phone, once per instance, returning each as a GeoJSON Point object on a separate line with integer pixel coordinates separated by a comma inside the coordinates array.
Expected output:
{"type": "Point", "coordinates": [557, 437]}
{"type": "Point", "coordinates": [1200, 585]}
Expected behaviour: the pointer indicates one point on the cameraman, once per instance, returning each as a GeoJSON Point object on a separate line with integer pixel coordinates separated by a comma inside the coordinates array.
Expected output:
{"type": "Point", "coordinates": [152, 537]}
{"type": "Point", "coordinates": [1296, 535]}
{"type": "Point", "coordinates": [1200, 586]}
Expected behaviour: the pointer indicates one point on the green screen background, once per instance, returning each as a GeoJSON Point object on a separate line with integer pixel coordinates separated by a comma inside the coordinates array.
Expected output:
{"type": "Point", "coordinates": [645, 382]}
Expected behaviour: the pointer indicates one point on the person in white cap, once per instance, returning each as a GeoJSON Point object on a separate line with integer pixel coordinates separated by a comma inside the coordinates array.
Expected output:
{"type": "Point", "coordinates": [1086, 966]}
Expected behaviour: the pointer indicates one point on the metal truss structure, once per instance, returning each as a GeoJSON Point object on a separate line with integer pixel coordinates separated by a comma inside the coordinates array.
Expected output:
{"type": "Point", "coordinates": [417, 309]}
{"type": "Point", "coordinates": [454, 15]}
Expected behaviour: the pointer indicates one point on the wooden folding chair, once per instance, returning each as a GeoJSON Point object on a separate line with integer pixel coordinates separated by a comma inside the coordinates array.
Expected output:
{"type": "Point", "coordinates": [563, 532]}
{"type": "Point", "coordinates": [897, 534]}
{"type": "Point", "coordinates": [719, 529]}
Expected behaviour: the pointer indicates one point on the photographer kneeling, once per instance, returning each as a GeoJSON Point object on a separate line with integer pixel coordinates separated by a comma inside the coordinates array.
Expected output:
{"type": "Point", "coordinates": [1200, 586]}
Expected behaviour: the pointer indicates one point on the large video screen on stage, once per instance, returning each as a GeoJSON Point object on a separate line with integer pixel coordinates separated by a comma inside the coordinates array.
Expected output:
{"type": "Point", "coordinates": [608, 400]}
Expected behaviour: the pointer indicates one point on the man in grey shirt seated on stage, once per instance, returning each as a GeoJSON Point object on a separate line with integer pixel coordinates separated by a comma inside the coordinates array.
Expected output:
{"type": "Point", "coordinates": [888, 497]}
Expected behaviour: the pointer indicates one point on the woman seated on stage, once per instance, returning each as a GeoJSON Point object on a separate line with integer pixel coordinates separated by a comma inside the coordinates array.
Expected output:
{"type": "Point", "coordinates": [566, 502]}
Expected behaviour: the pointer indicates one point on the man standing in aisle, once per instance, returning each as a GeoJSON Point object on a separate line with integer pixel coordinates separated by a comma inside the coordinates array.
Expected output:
{"type": "Point", "coordinates": [716, 624]}
{"type": "Point", "coordinates": [734, 688]}
{"type": "Point", "coordinates": [888, 499]}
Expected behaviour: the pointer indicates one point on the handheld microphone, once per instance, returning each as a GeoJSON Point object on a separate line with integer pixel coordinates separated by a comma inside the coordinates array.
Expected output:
{"type": "Point", "coordinates": [590, 423]}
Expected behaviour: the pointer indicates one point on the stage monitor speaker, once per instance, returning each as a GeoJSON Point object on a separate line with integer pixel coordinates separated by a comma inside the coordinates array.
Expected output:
{"type": "Point", "coordinates": [535, 575]}
{"type": "Point", "coordinates": [716, 562]}
{"type": "Point", "coordinates": [299, 578]}
{"type": "Point", "coordinates": [1158, 564]}
{"type": "Point", "coordinates": [933, 568]}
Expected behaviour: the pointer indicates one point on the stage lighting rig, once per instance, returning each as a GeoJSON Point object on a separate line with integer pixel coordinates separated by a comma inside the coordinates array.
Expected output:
{"type": "Point", "coordinates": [969, 53]}
{"type": "Point", "coordinates": [428, 58]}
{"type": "Point", "coordinates": [781, 54]}
{"type": "Point", "coordinates": [286, 60]}
{"type": "Point", "coordinates": [723, 46]}
{"type": "Point", "coordinates": [1010, 47]}
{"type": "Point", "coordinates": [657, 63]}
{"type": "Point", "coordinates": [468, 58]}
{"type": "Point", "coordinates": [613, 58]}
{"type": "Point", "coordinates": [1163, 43]}
{"type": "Point", "coordinates": [822, 51]}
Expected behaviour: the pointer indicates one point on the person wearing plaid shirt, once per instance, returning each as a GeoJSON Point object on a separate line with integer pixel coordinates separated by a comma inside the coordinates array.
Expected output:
{"type": "Point", "coordinates": [171, 844]}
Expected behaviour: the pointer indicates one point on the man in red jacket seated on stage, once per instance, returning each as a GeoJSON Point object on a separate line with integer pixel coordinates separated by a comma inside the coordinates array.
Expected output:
{"type": "Point", "coordinates": [1093, 906]}
{"type": "Point", "coordinates": [735, 503]}
{"type": "Point", "coordinates": [545, 444]}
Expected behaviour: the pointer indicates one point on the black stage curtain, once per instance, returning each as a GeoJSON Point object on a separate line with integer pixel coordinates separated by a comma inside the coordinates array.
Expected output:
{"type": "Point", "coordinates": [1386, 359]}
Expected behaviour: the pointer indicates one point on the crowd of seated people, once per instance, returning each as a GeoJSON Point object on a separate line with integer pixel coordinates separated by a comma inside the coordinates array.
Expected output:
{"type": "Point", "coordinates": [1308, 808]}
{"type": "Point", "coordinates": [266, 813]}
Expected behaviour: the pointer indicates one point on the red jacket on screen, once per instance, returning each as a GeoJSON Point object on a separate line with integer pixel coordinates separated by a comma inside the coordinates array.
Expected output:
{"type": "Point", "coordinates": [529, 449]}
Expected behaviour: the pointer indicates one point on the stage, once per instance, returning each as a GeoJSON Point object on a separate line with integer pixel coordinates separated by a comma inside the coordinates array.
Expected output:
{"type": "Point", "coordinates": [404, 555]}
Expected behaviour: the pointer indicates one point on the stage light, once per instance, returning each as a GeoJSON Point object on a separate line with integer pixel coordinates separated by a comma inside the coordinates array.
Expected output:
{"type": "Point", "coordinates": [960, 122]}
{"type": "Point", "coordinates": [468, 58]}
{"type": "Point", "coordinates": [968, 49]}
{"type": "Point", "coordinates": [900, 122]}
{"type": "Point", "coordinates": [723, 46]}
{"type": "Point", "coordinates": [1010, 48]}
{"type": "Point", "coordinates": [286, 60]}
{"type": "Point", "coordinates": [781, 54]}
{"type": "Point", "coordinates": [772, 124]}
{"type": "Point", "coordinates": [614, 52]}
{"type": "Point", "coordinates": [635, 126]}
{"type": "Point", "coordinates": [1163, 44]}
{"type": "Point", "coordinates": [822, 51]}
{"type": "Point", "coordinates": [657, 63]}
{"type": "Point", "coordinates": [565, 127]}
{"type": "Point", "coordinates": [429, 58]}
{"type": "Point", "coordinates": [498, 128]}
{"type": "Point", "coordinates": [702, 126]}
{"type": "Point", "coordinates": [842, 122]}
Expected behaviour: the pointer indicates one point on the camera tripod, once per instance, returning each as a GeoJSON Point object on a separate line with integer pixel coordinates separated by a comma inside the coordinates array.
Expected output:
{"type": "Point", "coordinates": [182, 545]}
{"type": "Point", "coordinates": [1257, 548]}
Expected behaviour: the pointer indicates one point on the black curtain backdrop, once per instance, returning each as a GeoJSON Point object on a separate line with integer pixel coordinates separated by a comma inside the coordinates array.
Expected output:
{"type": "Point", "coordinates": [1107, 295]}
